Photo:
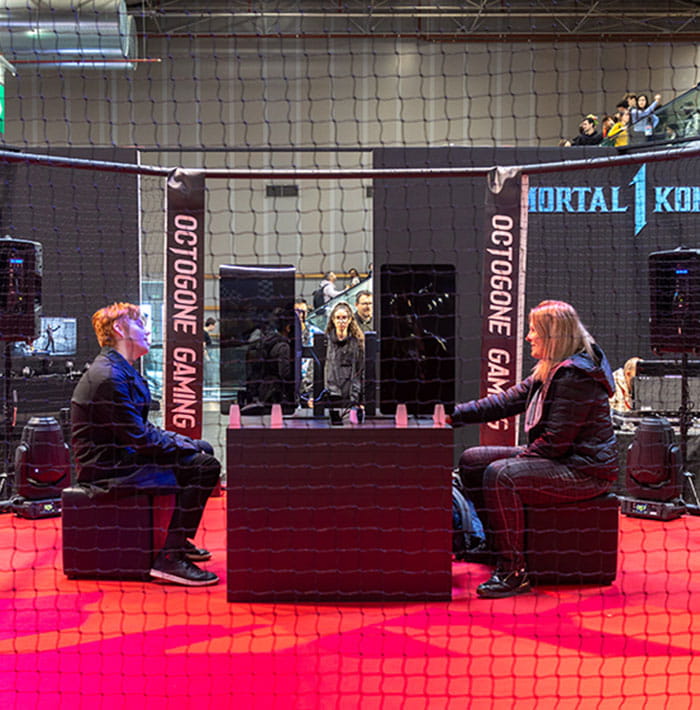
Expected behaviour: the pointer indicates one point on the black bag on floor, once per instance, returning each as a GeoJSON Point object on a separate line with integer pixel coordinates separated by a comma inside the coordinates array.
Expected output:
{"type": "Point", "coordinates": [468, 532]}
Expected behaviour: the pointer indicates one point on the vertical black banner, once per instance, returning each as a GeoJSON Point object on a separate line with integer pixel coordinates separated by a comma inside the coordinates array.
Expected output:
{"type": "Point", "coordinates": [183, 324]}
{"type": "Point", "coordinates": [505, 224]}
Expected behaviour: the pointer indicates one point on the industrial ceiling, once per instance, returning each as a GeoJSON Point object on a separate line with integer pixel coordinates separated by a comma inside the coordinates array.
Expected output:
{"type": "Point", "coordinates": [487, 20]}
{"type": "Point", "coordinates": [115, 32]}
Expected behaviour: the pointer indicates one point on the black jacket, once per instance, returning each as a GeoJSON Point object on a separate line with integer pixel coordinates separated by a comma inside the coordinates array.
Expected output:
{"type": "Point", "coordinates": [344, 371]}
{"type": "Point", "coordinates": [585, 139]}
{"type": "Point", "coordinates": [568, 422]}
{"type": "Point", "coordinates": [111, 434]}
{"type": "Point", "coordinates": [275, 383]}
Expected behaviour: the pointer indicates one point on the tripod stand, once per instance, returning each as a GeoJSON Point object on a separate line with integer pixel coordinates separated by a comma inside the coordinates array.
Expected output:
{"type": "Point", "coordinates": [8, 412]}
{"type": "Point", "coordinates": [684, 419]}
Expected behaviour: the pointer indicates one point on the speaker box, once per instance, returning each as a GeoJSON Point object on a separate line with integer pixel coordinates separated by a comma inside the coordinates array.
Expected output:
{"type": "Point", "coordinates": [20, 289]}
{"type": "Point", "coordinates": [674, 289]}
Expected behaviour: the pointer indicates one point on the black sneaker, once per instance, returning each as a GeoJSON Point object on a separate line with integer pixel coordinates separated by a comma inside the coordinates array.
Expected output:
{"type": "Point", "coordinates": [176, 568]}
{"type": "Point", "coordinates": [504, 584]}
{"type": "Point", "coordinates": [196, 554]}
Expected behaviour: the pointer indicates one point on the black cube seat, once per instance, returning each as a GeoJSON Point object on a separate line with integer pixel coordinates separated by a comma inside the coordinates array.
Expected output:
{"type": "Point", "coordinates": [113, 534]}
{"type": "Point", "coordinates": [573, 543]}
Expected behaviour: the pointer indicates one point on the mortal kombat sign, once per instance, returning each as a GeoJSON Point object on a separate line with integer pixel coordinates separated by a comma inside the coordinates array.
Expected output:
{"type": "Point", "coordinates": [637, 198]}
{"type": "Point", "coordinates": [184, 304]}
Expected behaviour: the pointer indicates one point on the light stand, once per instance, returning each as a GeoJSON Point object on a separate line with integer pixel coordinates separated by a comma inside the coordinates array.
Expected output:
{"type": "Point", "coordinates": [21, 266]}
{"type": "Point", "coordinates": [6, 475]}
{"type": "Point", "coordinates": [693, 505]}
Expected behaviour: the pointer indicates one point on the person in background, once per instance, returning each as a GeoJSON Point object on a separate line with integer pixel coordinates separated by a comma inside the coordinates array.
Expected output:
{"type": "Point", "coordinates": [269, 375]}
{"type": "Point", "coordinates": [690, 121]}
{"type": "Point", "coordinates": [308, 330]}
{"type": "Point", "coordinates": [623, 396]}
{"type": "Point", "coordinates": [606, 124]}
{"type": "Point", "coordinates": [671, 131]}
{"type": "Point", "coordinates": [328, 285]}
{"type": "Point", "coordinates": [211, 360]}
{"type": "Point", "coordinates": [354, 278]}
{"type": "Point", "coordinates": [571, 451]}
{"type": "Point", "coordinates": [642, 118]}
{"type": "Point", "coordinates": [209, 326]}
{"type": "Point", "coordinates": [114, 443]}
{"type": "Point", "coordinates": [277, 363]}
{"type": "Point", "coordinates": [588, 135]}
{"type": "Point", "coordinates": [363, 310]}
{"type": "Point", "coordinates": [618, 135]}
{"type": "Point", "coordinates": [344, 371]}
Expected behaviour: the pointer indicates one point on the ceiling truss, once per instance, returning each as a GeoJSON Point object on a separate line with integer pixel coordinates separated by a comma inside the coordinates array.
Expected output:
{"type": "Point", "coordinates": [478, 20]}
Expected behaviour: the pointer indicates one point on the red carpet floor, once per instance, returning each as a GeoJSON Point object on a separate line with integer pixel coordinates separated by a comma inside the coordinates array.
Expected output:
{"type": "Point", "coordinates": [97, 644]}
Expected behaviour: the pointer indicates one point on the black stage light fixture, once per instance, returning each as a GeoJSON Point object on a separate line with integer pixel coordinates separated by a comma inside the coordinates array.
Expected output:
{"type": "Point", "coordinates": [42, 469]}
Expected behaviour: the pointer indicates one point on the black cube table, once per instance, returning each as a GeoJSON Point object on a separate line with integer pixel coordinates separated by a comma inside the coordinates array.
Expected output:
{"type": "Point", "coordinates": [324, 513]}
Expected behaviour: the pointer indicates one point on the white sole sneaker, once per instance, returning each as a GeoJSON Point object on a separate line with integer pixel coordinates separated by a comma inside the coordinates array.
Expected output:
{"type": "Point", "coordinates": [184, 581]}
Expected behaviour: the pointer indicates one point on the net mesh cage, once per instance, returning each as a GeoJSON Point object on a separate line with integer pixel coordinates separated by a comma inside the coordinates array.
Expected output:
{"type": "Point", "coordinates": [362, 140]}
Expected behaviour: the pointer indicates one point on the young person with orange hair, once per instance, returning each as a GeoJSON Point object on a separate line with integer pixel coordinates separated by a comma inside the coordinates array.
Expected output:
{"type": "Point", "coordinates": [114, 443]}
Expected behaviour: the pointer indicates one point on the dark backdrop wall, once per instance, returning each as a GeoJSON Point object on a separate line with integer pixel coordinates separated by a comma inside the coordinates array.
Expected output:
{"type": "Point", "coordinates": [600, 260]}
{"type": "Point", "coordinates": [589, 237]}
{"type": "Point", "coordinates": [88, 225]}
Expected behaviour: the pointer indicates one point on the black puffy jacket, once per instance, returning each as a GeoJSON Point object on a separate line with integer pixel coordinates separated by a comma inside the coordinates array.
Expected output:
{"type": "Point", "coordinates": [570, 420]}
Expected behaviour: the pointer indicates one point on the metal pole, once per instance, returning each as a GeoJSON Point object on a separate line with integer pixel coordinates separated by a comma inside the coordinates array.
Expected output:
{"type": "Point", "coordinates": [5, 475]}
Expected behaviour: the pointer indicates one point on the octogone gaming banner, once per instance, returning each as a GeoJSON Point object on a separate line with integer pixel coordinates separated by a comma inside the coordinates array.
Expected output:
{"type": "Point", "coordinates": [505, 224]}
{"type": "Point", "coordinates": [184, 303]}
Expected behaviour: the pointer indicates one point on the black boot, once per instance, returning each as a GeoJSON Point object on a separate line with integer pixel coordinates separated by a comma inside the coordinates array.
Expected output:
{"type": "Point", "coordinates": [504, 583]}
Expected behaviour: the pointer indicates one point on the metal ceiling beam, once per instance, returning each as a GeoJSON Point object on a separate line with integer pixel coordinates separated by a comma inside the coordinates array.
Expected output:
{"type": "Point", "coordinates": [522, 20]}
